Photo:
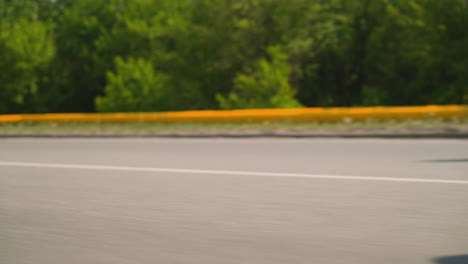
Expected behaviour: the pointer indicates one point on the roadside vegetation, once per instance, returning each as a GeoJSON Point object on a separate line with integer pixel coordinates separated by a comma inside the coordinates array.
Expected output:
{"type": "Point", "coordinates": [421, 125]}
{"type": "Point", "coordinates": [161, 55]}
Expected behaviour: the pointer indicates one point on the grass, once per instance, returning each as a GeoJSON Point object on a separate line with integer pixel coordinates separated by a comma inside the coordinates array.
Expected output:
{"type": "Point", "coordinates": [144, 127]}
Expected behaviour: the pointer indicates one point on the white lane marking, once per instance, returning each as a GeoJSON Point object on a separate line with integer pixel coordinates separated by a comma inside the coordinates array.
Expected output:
{"type": "Point", "coordinates": [249, 173]}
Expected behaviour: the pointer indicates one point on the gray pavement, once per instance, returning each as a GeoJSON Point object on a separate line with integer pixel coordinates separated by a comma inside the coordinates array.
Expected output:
{"type": "Point", "coordinates": [54, 215]}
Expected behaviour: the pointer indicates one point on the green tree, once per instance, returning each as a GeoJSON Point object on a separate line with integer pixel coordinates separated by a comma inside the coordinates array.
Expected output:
{"type": "Point", "coordinates": [26, 49]}
{"type": "Point", "coordinates": [56, 55]}
{"type": "Point", "coordinates": [79, 72]}
{"type": "Point", "coordinates": [417, 55]}
{"type": "Point", "coordinates": [134, 87]}
{"type": "Point", "coordinates": [265, 86]}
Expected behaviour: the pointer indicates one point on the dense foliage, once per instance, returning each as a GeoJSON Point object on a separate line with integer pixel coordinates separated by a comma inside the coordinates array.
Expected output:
{"type": "Point", "coordinates": [160, 55]}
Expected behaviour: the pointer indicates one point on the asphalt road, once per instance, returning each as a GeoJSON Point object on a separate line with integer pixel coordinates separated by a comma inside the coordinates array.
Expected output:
{"type": "Point", "coordinates": [260, 201]}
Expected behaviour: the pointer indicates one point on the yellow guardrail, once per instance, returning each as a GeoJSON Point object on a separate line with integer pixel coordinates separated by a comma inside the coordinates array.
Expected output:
{"type": "Point", "coordinates": [252, 115]}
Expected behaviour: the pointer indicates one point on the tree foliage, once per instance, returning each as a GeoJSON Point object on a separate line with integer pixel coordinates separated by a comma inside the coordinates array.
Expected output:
{"type": "Point", "coordinates": [26, 49]}
{"type": "Point", "coordinates": [112, 55]}
{"type": "Point", "coordinates": [133, 87]}
{"type": "Point", "coordinates": [265, 86]}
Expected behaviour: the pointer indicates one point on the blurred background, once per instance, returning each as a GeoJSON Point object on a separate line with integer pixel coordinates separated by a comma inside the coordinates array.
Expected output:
{"type": "Point", "coordinates": [265, 185]}
{"type": "Point", "coordinates": [161, 55]}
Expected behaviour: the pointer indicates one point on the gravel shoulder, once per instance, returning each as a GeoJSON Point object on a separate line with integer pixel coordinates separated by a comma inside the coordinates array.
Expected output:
{"type": "Point", "coordinates": [405, 129]}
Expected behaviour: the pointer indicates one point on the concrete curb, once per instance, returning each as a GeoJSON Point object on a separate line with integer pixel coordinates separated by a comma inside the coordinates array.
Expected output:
{"type": "Point", "coordinates": [409, 133]}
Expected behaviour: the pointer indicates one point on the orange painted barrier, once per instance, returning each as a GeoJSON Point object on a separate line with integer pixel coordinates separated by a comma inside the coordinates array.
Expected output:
{"type": "Point", "coordinates": [337, 114]}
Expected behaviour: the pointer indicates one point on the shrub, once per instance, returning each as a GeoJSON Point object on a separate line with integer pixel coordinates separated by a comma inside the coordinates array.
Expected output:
{"type": "Point", "coordinates": [133, 87]}
{"type": "Point", "coordinates": [266, 86]}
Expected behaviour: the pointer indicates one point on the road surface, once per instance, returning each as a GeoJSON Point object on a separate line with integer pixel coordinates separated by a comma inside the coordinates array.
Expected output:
{"type": "Point", "coordinates": [220, 201]}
